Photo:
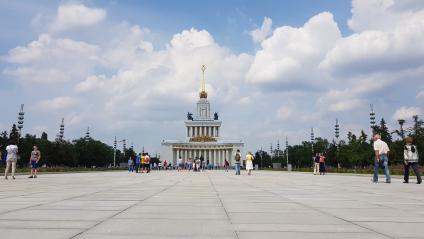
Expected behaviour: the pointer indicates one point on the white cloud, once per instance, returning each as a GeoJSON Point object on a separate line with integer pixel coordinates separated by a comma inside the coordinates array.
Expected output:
{"type": "Point", "coordinates": [91, 83]}
{"type": "Point", "coordinates": [76, 15]}
{"type": "Point", "coordinates": [50, 60]}
{"type": "Point", "coordinates": [260, 34]}
{"type": "Point", "coordinates": [383, 14]}
{"type": "Point", "coordinates": [58, 103]}
{"type": "Point", "coordinates": [387, 40]}
{"type": "Point", "coordinates": [344, 105]}
{"type": "Point", "coordinates": [284, 113]}
{"type": "Point", "coordinates": [406, 113]}
{"type": "Point", "coordinates": [420, 95]}
{"type": "Point", "coordinates": [291, 55]}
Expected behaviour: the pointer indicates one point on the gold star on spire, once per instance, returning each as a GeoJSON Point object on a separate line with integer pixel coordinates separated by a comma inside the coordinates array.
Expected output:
{"type": "Point", "coordinates": [203, 93]}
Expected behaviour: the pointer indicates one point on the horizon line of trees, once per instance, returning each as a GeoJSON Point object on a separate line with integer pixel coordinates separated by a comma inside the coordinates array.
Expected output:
{"type": "Point", "coordinates": [357, 151]}
{"type": "Point", "coordinates": [82, 152]}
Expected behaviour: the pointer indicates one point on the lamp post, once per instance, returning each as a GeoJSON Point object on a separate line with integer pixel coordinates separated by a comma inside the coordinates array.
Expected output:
{"type": "Point", "coordinates": [337, 134]}
{"type": "Point", "coordinates": [21, 120]}
{"type": "Point", "coordinates": [114, 153]}
{"type": "Point", "coordinates": [287, 153]}
{"type": "Point", "coordinates": [372, 118]}
{"type": "Point", "coordinates": [270, 153]}
{"type": "Point", "coordinates": [61, 129]}
{"type": "Point", "coordinates": [312, 140]}
{"type": "Point", "coordinates": [260, 153]}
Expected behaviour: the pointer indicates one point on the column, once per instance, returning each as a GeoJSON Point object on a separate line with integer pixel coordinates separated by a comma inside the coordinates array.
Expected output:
{"type": "Point", "coordinates": [214, 156]}
{"type": "Point", "coordinates": [210, 156]}
{"type": "Point", "coordinates": [178, 153]}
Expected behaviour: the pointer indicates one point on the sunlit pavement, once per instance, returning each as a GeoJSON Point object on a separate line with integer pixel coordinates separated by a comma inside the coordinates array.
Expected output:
{"type": "Point", "coordinates": [213, 204]}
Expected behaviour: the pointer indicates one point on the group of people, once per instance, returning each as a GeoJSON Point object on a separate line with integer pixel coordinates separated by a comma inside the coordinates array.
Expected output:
{"type": "Point", "coordinates": [11, 157]}
{"type": "Point", "coordinates": [381, 151]}
{"type": "Point", "coordinates": [200, 164]}
{"type": "Point", "coordinates": [141, 164]}
{"type": "Point", "coordinates": [410, 157]}
{"type": "Point", "coordinates": [319, 164]}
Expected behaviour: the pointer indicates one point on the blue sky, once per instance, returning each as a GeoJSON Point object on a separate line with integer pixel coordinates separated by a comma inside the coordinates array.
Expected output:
{"type": "Point", "coordinates": [132, 68]}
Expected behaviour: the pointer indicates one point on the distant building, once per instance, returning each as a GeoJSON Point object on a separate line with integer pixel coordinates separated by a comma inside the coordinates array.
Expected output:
{"type": "Point", "coordinates": [202, 137]}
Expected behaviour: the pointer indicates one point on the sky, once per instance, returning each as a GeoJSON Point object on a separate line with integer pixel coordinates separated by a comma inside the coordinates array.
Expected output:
{"type": "Point", "coordinates": [275, 69]}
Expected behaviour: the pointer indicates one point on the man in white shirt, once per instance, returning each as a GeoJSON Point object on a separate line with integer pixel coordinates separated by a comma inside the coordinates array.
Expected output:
{"type": "Point", "coordinates": [381, 150]}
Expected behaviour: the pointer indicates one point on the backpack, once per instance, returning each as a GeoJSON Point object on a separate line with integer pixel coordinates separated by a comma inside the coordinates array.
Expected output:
{"type": "Point", "coordinates": [238, 157]}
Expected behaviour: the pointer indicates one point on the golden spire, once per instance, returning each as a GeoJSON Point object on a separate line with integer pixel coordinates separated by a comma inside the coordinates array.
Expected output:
{"type": "Point", "coordinates": [203, 93]}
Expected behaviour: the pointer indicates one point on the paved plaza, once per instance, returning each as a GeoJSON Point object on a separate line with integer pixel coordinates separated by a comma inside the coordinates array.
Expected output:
{"type": "Point", "coordinates": [212, 204]}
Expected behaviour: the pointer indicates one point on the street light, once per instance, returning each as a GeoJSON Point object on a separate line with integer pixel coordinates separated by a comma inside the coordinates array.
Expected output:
{"type": "Point", "coordinates": [114, 153]}
{"type": "Point", "coordinates": [21, 119]}
{"type": "Point", "coordinates": [372, 118]}
{"type": "Point", "coordinates": [312, 140]}
{"type": "Point", "coordinates": [337, 134]}
{"type": "Point", "coordinates": [61, 130]}
{"type": "Point", "coordinates": [287, 153]}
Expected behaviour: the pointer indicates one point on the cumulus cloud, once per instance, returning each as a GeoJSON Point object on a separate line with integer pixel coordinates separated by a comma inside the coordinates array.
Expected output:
{"type": "Point", "coordinates": [121, 83]}
{"type": "Point", "coordinates": [420, 95]}
{"type": "Point", "coordinates": [284, 112]}
{"type": "Point", "coordinates": [71, 16]}
{"type": "Point", "coordinates": [406, 113]}
{"type": "Point", "coordinates": [52, 60]}
{"type": "Point", "coordinates": [387, 39]}
{"type": "Point", "coordinates": [260, 34]}
{"type": "Point", "coordinates": [288, 52]}
{"type": "Point", "coordinates": [58, 103]}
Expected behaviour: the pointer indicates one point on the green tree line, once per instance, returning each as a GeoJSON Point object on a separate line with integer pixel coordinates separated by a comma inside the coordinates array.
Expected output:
{"type": "Point", "coordinates": [356, 152]}
{"type": "Point", "coordinates": [82, 152]}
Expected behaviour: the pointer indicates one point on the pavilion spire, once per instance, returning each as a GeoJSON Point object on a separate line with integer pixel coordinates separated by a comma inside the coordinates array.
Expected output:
{"type": "Point", "coordinates": [203, 93]}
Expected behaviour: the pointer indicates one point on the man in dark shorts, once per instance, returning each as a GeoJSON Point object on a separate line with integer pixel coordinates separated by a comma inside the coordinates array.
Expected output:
{"type": "Point", "coordinates": [33, 160]}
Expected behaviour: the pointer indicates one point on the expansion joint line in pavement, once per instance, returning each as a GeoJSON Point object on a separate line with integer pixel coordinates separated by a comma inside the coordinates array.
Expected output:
{"type": "Point", "coordinates": [222, 204]}
{"type": "Point", "coordinates": [129, 207]}
{"type": "Point", "coordinates": [320, 211]}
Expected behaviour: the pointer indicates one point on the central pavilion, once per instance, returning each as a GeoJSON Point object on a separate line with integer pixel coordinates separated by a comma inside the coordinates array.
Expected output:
{"type": "Point", "coordinates": [203, 137]}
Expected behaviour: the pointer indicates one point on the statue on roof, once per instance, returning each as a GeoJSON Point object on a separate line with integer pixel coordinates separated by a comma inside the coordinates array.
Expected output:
{"type": "Point", "coordinates": [189, 116]}
{"type": "Point", "coordinates": [215, 116]}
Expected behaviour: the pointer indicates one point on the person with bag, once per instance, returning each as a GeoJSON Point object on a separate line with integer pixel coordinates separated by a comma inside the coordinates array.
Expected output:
{"type": "Point", "coordinates": [410, 155]}
{"type": "Point", "coordinates": [11, 159]}
{"type": "Point", "coordinates": [237, 159]}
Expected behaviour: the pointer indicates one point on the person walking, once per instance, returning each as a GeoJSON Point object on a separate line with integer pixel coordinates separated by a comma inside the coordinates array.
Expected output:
{"type": "Point", "coordinates": [249, 163]}
{"type": "Point", "coordinates": [381, 150]}
{"type": "Point", "coordinates": [143, 156]}
{"type": "Point", "coordinates": [321, 164]}
{"type": "Point", "coordinates": [180, 165]}
{"type": "Point", "coordinates": [147, 162]}
{"type": "Point", "coordinates": [33, 161]}
{"type": "Point", "coordinates": [237, 159]}
{"type": "Point", "coordinates": [137, 162]}
{"type": "Point", "coordinates": [316, 164]}
{"type": "Point", "coordinates": [11, 159]}
{"type": "Point", "coordinates": [226, 165]}
{"type": "Point", "coordinates": [411, 157]}
{"type": "Point", "coordinates": [130, 165]}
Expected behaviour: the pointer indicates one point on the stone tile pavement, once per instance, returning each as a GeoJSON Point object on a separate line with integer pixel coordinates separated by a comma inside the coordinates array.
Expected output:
{"type": "Point", "coordinates": [212, 204]}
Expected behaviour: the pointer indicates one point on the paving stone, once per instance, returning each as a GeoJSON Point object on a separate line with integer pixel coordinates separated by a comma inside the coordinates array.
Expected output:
{"type": "Point", "coordinates": [211, 204]}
